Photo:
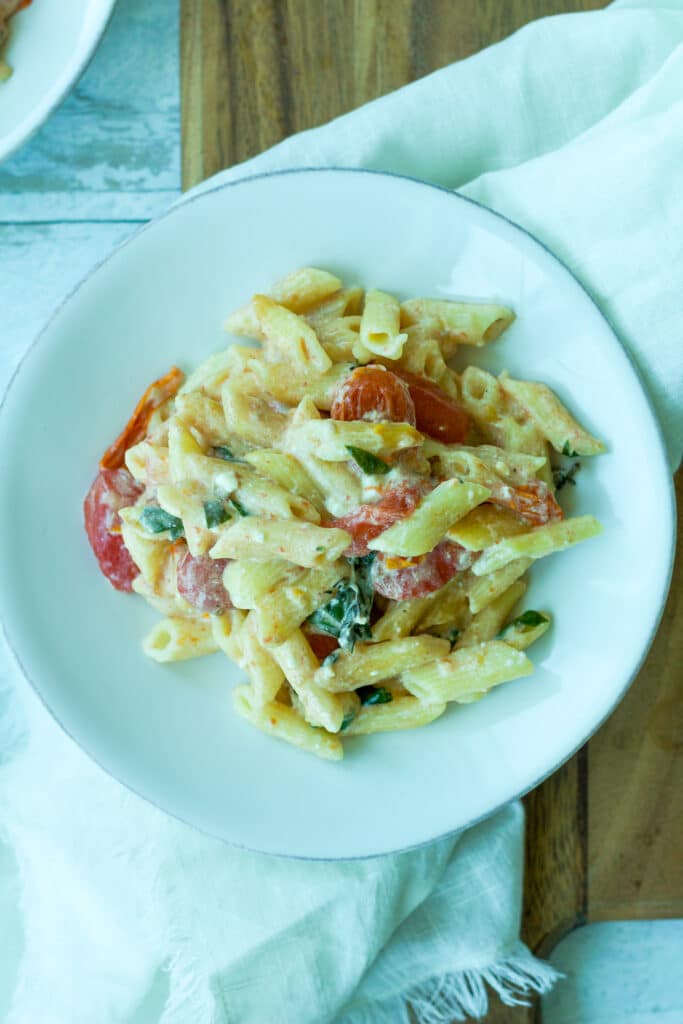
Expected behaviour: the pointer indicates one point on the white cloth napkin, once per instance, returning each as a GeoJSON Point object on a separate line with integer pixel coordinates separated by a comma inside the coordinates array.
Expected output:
{"type": "Point", "coordinates": [112, 912]}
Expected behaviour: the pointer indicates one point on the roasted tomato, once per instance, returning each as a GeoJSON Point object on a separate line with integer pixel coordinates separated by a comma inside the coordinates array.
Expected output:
{"type": "Point", "coordinates": [321, 644]}
{"type": "Point", "coordinates": [392, 578]}
{"type": "Point", "coordinates": [112, 490]}
{"type": "Point", "coordinates": [368, 521]}
{"type": "Point", "coordinates": [533, 502]}
{"type": "Point", "coordinates": [373, 393]}
{"type": "Point", "coordinates": [200, 582]}
{"type": "Point", "coordinates": [436, 414]}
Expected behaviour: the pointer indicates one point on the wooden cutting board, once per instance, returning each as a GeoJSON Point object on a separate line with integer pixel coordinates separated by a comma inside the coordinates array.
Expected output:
{"type": "Point", "coordinates": [605, 833]}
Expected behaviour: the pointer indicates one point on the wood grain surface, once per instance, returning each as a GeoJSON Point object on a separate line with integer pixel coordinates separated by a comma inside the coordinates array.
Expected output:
{"type": "Point", "coordinates": [255, 71]}
{"type": "Point", "coordinates": [604, 833]}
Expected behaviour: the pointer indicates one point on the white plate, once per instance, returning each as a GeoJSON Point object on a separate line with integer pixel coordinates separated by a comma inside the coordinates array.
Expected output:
{"type": "Point", "coordinates": [169, 732]}
{"type": "Point", "coordinates": [50, 45]}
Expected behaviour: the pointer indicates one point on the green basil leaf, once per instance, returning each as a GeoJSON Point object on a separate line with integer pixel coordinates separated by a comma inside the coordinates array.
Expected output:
{"type": "Point", "coordinates": [368, 462]}
{"type": "Point", "coordinates": [220, 451]}
{"type": "Point", "coordinates": [565, 476]}
{"type": "Point", "coordinates": [156, 520]}
{"type": "Point", "coordinates": [346, 720]}
{"type": "Point", "coordinates": [239, 507]}
{"type": "Point", "coordinates": [452, 636]}
{"type": "Point", "coordinates": [215, 513]}
{"type": "Point", "coordinates": [374, 695]}
{"type": "Point", "coordinates": [568, 450]}
{"type": "Point", "coordinates": [346, 615]}
{"type": "Point", "coordinates": [527, 620]}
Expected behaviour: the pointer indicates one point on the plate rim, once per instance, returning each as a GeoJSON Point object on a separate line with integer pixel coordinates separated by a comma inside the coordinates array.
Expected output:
{"type": "Point", "coordinates": [16, 138]}
{"type": "Point", "coordinates": [192, 196]}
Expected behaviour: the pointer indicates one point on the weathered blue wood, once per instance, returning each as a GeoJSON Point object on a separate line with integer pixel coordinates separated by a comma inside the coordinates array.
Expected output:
{"type": "Point", "coordinates": [108, 160]}
{"type": "Point", "coordinates": [118, 132]}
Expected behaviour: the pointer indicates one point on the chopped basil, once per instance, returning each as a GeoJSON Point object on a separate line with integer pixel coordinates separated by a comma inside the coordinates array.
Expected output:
{"type": "Point", "coordinates": [346, 720]}
{"type": "Point", "coordinates": [368, 462]}
{"type": "Point", "coordinates": [215, 513]}
{"type": "Point", "coordinates": [568, 450]}
{"type": "Point", "coordinates": [239, 507]}
{"type": "Point", "coordinates": [374, 695]}
{"type": "Point", "coordinates": [156, 520]}
{"type": "Point", "coordinates": [526, 621]}
{"type": "Point", "coordinates": [565, 476]}
{"type": "Point", "coordinates": [220, 451]}
{"type": "Point", "coordinates": [346, 615]}
{"type": "Point", "coordinates": [452, 636]}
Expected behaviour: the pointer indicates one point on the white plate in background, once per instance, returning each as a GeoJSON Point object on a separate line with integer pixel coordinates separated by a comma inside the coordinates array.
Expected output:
{"type": "Point", "coordinates": [49, 47]}
{"type": "Point", "coordinates": [169, 732]}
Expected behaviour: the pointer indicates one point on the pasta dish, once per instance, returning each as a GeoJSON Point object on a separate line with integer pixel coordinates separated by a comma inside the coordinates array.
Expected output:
{"type": "Point", "coordinates": [339, 511]}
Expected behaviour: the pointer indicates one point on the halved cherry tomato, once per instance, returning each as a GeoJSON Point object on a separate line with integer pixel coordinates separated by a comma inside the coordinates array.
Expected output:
{"type": "Point", "coordinates": [428, 573]}
{"type": "Point", "coordinates": [368, 521]}
{"type": "Point", "coordinates": [321, 644]}
{"type": "Point", "coordinates": [436, 414]}
{"type": "Point", "coordinates": [200, 582]}
{"type": "Point", "coordinates": [371, 392]}
{"type": "Point", "coordinates": [533, 502]}
{"type": "Point", "coordinates": [112, 490]}
{"type": "Point", "coordinates": [156, 394]}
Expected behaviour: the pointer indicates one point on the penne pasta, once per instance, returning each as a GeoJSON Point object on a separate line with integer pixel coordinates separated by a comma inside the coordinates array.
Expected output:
{"type": "Point", "coordinates": [552, 419]}
{"type": "Point", "coordinates": [373, 662]}
{"type": "Point", "coordinates": [284, 723]}
{"type": "Point", "coordinates": [486, 588]}
{"type": "Point", "coordinates": [400, 713]}
{"type": "Point", "coordinates": [361, 572]}
{"type": "Point", "coordinates": [179, 639]}
{"type": "Point", "coordinates": [290, 336]}
{"type": "Point", "coordinates": [545, 540]}
{"type": "Point", "coordinates": [487, 624]}
{"type": "Point", "coordinates": [467, 672]}
{"type": "Point", "coordinates": [422, 530]}
{"type": "Point", "coordinates": [380, 332]}
{"type": "Point", "coordinates": [299, 664]}
{"type": "Point", "coordinates": [293, 540]}
{"type": "Point", "coordinates": [330, 440]}
{"type": "Point", "coordinates": [283, 610]}
{"type": "Point", "coordinates": [467, 323]}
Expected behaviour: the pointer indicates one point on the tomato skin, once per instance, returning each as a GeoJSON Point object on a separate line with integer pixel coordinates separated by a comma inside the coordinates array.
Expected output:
{"type": "Point", "coordinates": [427, 574]}
{"type": "Point", "coordinates": [436, 414]}
{"type": "Point", "coordinates": [533, 502]}
{"type": "Point", "coordinates": [367, 521]}
{"type": "Point", "coordinates": [112, 490]}
{"type": "Point", "coordinates": [200, 582]}
{"type": "Point", "coordinates": [371, 392]}
{"type": "Point", "coordinates": [322, 644]}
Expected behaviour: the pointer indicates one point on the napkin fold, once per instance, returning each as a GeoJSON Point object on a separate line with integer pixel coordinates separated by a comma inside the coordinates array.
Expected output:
{"type": "Point", "coordinates": [113, 912]}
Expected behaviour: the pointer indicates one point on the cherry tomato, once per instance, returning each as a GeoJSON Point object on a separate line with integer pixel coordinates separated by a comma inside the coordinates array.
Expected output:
{"type": "Point", "coordinates": [200, 582]}
{"type": "Point", "coordinates": [436, 414]}
{"type": "Point", "coordinates": [428, 573]}
{"type": "Point", "coordinates": [112, 490]}
{"type": "Point", "coordinates": [368, 521]}
{"type": "Point", "coordinates": [371, 392]}
{"type": "Point", "coordinates": [533, 502]}
{"type": "Point", "coordinates": [321, 644]}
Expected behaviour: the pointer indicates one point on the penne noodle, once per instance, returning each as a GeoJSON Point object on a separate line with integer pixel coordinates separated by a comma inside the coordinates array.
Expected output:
{"type": "Point", "coordinates": [544, 540]}
{"type": "Point", "coordinates": [284, 723]}
{"type": "Point", "coordinates": [466, 672]}
{"type": "Point", "coordinates": [237, 482]}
